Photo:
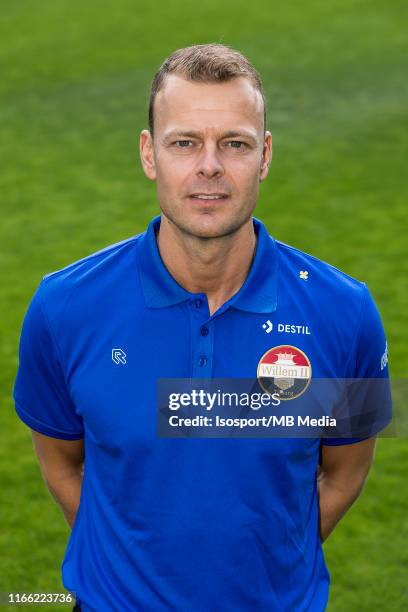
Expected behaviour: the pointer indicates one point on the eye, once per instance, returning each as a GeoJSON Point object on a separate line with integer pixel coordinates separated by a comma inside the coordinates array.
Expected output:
{"type": "Point", "coordinates": [182, 144]}
{"type": "Point", "coordinates": [237, 144]}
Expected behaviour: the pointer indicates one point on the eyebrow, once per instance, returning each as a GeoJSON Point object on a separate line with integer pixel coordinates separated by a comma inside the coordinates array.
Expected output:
{"type": "Point", "coordinates": [198, 134]}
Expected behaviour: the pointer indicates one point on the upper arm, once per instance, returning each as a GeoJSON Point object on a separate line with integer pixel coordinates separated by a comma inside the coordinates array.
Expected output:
{"type": "Point", "coordinates": [58, 458]}
{"type": "Point", "coordinates": [365, 405]}
{"type": "Point", "coordinates": [41, 391]}
{"type": "Point", "coordinates": [348, 464]}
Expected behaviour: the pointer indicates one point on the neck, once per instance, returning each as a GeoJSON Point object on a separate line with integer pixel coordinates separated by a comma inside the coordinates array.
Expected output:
{"type": "Point", "coordinates": [217, 267]}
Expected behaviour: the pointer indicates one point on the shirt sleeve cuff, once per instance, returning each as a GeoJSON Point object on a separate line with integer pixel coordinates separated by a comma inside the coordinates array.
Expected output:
{"type": "Point", "coordinates": [43, 428]}
{"type": "Point", "coordinates": [342, 441]}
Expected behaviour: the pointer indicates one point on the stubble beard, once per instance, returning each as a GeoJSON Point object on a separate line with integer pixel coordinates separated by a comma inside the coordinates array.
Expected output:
{"type": "Point", "coordinates": [227, 227]}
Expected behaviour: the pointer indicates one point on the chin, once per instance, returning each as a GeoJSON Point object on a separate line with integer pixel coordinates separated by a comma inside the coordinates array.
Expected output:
{"type": "Point", "coordinates": [209, 224]}
{"type": "Point", "coordinates": [199, 228]}
{"type": "Point", "coordinates": [211, 228]}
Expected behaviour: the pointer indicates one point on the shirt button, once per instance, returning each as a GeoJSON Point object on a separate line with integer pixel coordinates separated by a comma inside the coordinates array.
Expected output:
{"type": "Point", "coordinates": [204, 331]}
{"type": "Point", "coordinates": [202, 361]}
{"type": "Point", "coordinates": [197, 303]}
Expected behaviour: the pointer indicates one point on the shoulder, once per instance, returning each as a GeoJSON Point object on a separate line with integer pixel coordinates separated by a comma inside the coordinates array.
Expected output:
{"type": "Point", "coordinates": [317, 275]}
{"type": "Point", "coordinates": [90, 278]}
{"type": "Point", "coordinates": [94, 260]}
{"type": "Point", "coordinates": [339, 306]}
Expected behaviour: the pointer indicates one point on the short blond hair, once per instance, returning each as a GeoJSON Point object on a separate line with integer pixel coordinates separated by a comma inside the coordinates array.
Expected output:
{"type": "Point", "coordinates": [210, 63]}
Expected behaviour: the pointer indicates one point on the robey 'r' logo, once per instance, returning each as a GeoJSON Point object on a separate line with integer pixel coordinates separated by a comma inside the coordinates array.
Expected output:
{"type": "Point", "coordinates": [284, 370]}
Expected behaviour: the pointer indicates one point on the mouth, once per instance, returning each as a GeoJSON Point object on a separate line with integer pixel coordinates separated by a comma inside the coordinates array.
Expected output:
{"type": "Point", "coordinates": [208, 197]}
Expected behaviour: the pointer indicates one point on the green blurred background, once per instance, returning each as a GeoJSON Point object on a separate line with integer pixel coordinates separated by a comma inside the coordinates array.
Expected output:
{"type": "Point", "coordinates": [74, 85]}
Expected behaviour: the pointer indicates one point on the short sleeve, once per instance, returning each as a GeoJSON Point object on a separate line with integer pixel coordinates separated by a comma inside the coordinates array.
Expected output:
{"type": "Point", "coordinates": [369, 392]}
{"type": "Point", "coordinates": [41, 397]}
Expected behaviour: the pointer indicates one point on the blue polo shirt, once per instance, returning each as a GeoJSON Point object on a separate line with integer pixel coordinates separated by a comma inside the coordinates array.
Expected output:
{"type": "Point", "coordinates": [188, 524]}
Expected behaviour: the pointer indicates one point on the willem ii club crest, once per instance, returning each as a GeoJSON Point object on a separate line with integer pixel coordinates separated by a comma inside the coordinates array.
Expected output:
{"type": "Point", "coordinates": [284, 370]}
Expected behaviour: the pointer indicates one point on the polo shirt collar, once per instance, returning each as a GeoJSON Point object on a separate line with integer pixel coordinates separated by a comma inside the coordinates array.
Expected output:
{"type": "Point", "coordinates": [257, 294]}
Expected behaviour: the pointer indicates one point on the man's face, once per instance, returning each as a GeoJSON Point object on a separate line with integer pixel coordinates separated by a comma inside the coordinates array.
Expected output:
{"type": "Point", "coordinates": [208, 155]}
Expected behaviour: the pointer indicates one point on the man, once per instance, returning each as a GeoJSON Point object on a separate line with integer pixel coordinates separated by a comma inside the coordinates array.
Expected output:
{"type": "Point", "coordinates": [193, 524]}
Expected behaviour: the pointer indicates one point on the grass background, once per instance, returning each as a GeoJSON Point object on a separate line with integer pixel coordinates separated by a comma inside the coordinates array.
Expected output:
{"type": "Point", "coordinates": [74, 88]}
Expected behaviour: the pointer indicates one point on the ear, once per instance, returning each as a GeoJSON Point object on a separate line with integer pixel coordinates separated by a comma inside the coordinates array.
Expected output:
{"type": "Point", "coordinates": [266, 156]}
{"type": "Point", "coordinates": [147, 154]}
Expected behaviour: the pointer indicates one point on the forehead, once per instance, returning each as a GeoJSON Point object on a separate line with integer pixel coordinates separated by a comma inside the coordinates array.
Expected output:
{"type": "Point", "coordinates": [185, 104]}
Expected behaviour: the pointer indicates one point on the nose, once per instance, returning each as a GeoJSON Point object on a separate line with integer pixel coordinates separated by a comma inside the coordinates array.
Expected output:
{"type": "Point", "coordinates": [209, 163]}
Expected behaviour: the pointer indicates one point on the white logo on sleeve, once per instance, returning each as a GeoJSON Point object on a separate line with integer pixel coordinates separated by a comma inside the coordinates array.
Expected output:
{"type": "Point", "coordinates": [384, 357]}
{"type": "Point", "coordinates": [118, 356]}
{"type": "Point", "coordinates": [304, 274]}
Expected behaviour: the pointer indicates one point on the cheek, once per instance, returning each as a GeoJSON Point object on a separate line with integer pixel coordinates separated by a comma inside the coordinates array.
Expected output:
{"type": "Point", "coordinates": [245, 174]}
{"type": "Point", "coordinates": [173, 173]}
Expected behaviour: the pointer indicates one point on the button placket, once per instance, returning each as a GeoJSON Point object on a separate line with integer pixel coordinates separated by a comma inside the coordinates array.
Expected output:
{"type": "Point", "coordinates": [202, 338]}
